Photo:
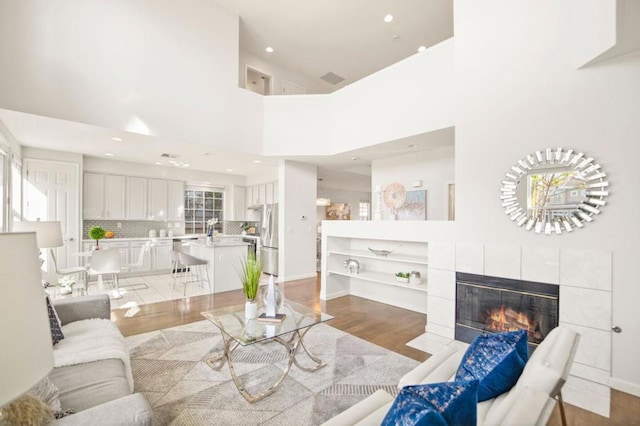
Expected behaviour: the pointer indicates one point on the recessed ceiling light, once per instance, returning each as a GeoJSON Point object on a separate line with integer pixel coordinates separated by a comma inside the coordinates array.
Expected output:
{"type": "Point", "coordinates": [229, 170]}
{"type": "Point", "coordinates": [354, 158]}
{"type": "Point", "coordinates": [421, 49]}
{"type": "Point", "coordinates": [257, 161]}
{"type": "Point", "coordinates": [108, 154]}
{"type": "Point", "coordinates": [158, 163]}
{"type": "Point", "coordinates": [117, 139]}
{"type": "Point", "coordinates": [186, 165]}
{"type": "Point", "coordinates": [269, 49]}
{"type": "Point", "coordinates": [388, 18]}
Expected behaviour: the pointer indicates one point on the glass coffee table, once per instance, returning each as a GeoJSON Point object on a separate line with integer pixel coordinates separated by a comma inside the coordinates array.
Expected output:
{"type": "Point", "coordinates": [238, 332]}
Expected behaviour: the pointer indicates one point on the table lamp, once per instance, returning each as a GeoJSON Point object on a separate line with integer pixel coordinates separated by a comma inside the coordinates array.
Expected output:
{"type": "Point", "coordinates": [27, 351]}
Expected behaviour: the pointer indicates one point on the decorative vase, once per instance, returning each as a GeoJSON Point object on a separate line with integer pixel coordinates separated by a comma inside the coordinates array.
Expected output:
{"type": "Point", "coordinates": [279, 299]}
{"type": "Point", "coordinates": [66, 290]}
{"type": "Point", "coordinates": [250, 309]}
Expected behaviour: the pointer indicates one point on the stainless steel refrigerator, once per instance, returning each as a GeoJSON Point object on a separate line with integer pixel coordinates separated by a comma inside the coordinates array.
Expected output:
{"type": "Point", "coordinates": [269, 239]}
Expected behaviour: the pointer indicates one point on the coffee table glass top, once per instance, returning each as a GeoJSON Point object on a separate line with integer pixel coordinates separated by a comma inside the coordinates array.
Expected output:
{"type": "Point", "coordinates": [231, 321]}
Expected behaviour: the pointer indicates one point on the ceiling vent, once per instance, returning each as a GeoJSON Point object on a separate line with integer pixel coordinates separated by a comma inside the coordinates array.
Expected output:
{"type": "Point", "coordinates": [332, 78]}
{"type": "Point", "coordinates": [165, 155]}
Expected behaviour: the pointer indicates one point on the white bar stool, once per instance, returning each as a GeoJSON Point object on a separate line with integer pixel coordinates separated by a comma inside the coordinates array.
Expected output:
{"type": "Point", "coordinates": [194, 264]}
{"type": "Point", "coordinates": [175, 267]}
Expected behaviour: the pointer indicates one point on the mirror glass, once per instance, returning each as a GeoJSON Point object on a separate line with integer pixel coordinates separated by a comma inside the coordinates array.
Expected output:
{"type": "Point", "coordinates": [554, 191]}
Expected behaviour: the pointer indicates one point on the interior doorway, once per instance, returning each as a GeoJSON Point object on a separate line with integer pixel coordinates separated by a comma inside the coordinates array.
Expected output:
{"type": "Point", "coordinates": [258, 82]}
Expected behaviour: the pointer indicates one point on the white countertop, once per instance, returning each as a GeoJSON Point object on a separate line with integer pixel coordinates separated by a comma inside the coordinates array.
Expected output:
{"type": "Point", "coordinates": [218, 244]}
{"type": "Point", "coordinates": [220, 236]}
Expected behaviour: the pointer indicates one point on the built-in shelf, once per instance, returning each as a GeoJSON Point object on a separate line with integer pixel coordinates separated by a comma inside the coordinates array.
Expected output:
{"type": "Point", "coordinates": [382, 278]}
{"type": "Point", "coordinates": [420, 260]}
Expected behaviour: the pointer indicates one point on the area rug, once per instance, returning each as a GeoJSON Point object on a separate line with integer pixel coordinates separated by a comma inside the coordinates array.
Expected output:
{"type": "Point", "coordinates": [169, 369]}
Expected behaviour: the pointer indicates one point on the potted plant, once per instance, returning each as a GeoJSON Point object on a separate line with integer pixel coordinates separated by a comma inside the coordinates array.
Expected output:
{"type": "Point", "coordinates": [250, 277]}
{"type": "Point", "coordinates": [96, 233]}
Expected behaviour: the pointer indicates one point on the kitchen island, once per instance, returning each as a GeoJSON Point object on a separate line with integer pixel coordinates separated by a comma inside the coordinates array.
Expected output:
{"type": "Point", "coordinates": [224, 260]}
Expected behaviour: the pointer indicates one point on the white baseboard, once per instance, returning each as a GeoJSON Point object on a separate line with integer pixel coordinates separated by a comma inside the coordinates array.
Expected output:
{"type": "Point", "coordinates": [624, 386]}
{"type": "Point", "coordinates": [297, 277]}
{"type": "Point", "coordinates": [336, 294]}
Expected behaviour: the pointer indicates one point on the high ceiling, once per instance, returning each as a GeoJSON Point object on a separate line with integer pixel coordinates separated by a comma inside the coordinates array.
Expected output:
{"type": "Point", "coordinates": [348, 38]}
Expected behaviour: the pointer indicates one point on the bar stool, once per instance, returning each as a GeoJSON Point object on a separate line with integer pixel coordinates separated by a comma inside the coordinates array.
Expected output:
{"type": "Point", "coordinates": [175, 267]}
{"type": "Point", "coordinates": [194, 264]}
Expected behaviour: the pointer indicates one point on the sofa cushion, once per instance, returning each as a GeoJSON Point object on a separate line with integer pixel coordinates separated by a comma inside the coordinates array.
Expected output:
{"type": "Point", "coordinates": [447, 403]}
{"type": "Point", "coordinates": [82, 386]}
{"type": "Point", "coordinates": [54, 323]}
{"type": "Point", "coordinates": [496, 360]}
{"type": "Point", "coordinates": [48, 393]}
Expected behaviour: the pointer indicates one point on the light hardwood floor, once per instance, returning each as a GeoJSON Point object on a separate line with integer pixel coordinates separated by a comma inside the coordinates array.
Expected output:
{"type": "Point", "coordinates": [384, 325]}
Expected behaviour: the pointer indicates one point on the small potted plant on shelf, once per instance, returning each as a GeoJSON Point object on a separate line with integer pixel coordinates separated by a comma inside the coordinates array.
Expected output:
{"type": "Point", "coordinates": [250, 277]}
{"type": "Point", "coordinates": [97, 233]}
{"type": "Point", "coordinates": [402, 277]}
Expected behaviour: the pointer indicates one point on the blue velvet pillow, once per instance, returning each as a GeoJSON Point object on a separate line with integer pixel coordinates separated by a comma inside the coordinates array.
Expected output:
{"type": "Point", "coordinates": [435, 404]}
{"type": "Point", "coordinates": [496, 361]}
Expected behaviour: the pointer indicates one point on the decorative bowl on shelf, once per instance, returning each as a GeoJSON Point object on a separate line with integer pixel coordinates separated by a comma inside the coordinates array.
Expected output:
{"type": "Point", "coordinates": [382, 253]}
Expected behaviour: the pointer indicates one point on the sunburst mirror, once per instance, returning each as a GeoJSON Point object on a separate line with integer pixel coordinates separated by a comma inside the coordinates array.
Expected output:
{"type": "Point", "coordinates": [554, 191]}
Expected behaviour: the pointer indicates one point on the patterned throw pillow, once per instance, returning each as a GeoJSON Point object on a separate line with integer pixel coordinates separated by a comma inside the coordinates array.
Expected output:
{"type": "Point", "coordinates": [496, 361]}
{"type": "Point", "coordinates": [435, 404]}
{"type": "Point", "coordinates": [54, 323]}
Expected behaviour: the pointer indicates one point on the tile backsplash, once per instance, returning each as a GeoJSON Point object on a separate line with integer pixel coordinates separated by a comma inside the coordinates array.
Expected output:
{"type": "Point", "coordinates": [132, 228]}
{"type": "Point", "coordinates": [234, 227]}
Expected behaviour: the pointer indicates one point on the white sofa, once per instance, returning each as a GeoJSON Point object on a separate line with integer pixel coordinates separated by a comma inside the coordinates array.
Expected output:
{"type": "Point", "coordinates": [529, 402]}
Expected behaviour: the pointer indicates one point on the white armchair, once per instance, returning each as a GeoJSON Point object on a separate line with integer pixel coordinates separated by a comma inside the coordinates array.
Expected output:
{"type": "Point", "coordinates": [529, 402]}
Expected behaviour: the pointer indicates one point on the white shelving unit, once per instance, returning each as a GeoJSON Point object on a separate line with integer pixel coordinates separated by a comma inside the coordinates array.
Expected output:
{"type": "Point", "coordinates": [376, 279]}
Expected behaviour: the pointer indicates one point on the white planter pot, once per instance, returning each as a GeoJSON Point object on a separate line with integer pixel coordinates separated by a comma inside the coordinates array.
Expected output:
{"type": "Point", "coordinates": [250, 310]}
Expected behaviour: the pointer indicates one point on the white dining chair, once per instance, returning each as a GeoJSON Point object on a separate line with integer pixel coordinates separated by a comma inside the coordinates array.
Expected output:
{"type": "Point", "coordinates": [79, 270]}
{"type": "Point", "coordinates": [131, 267]}
{"type": "Point", "coordinates": [106, 262]}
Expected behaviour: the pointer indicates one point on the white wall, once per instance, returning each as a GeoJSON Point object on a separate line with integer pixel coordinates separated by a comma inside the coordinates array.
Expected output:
{"type": "Point", "coordinates": [149, 66]}
{"type": "Point", "coordinates": [94, 164]}
{"type": "Point", "coordinates": [297, 237]}
{"type": "Point", "coordinates": [410, 97]}
{"type": "Point", "coordinates": [435, 168]}
{"type": "Point", "coordinates": [278, 73]}
{"type": "Point", "coordinates": [517, 91]}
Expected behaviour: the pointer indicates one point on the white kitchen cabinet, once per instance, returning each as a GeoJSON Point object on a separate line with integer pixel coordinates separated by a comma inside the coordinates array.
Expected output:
{"type": "Point", "coordinates": [157, 189]}
{"type": "Point", "coordinates": [248, 197]}
{"type": "Point", "coordinates": [268, 196]}
{"type": "Point", "coordinates": [93, 196]}
{"type": "Point", "coordinates": [136, 198]}
{"type": "Point", "coordinates": [161, 256]}
{"type": "Point", "coordinates": [262, 194]}
{"type": "Point", "coordinates": [275, 192]}
{"type": "Point", "coordinates": [115, 197]}
{"type": "Point", "coordinates": [234, 203]}
{"type": "Point", "coordinates": [123, 251]}
{"type": "Point", "coordinates": [175, 200]}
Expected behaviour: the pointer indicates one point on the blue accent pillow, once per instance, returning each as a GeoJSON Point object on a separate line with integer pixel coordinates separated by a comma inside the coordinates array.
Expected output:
{"type": "Point", "coordinates": [54, 323]}
{"type": "Point", "coordinates": [496, 361]}
{"type": "Point", "coordinates": [435, 404]}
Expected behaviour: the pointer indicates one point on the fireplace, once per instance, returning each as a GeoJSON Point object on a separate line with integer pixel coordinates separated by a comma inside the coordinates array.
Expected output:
{"type": "Point", "coordinates": [490, 304]}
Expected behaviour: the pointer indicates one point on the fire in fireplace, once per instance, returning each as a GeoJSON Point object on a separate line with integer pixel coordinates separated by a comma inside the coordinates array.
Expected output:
{"type": "Point", "coordinates": [492, 304]}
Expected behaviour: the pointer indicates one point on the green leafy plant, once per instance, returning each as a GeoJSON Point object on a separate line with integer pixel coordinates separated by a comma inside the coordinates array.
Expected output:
{"type": "Point", "coordinates": [250, 276]}
{"type": "Point", "coordinates": [403, 274]}
{"type": "Point", "coordinates": [96, 233]}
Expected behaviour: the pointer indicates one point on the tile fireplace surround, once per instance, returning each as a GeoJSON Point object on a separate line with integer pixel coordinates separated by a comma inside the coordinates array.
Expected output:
{"type": "Point", "coordinates": [584, 277]}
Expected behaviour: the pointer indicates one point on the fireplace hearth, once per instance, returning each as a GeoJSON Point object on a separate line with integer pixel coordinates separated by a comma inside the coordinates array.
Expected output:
{"type": "Point", "coordinates": [492, 304]}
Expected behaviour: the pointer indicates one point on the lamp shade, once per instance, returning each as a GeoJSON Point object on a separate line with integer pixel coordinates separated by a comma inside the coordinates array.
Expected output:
{"type": "Point", "coordinates": [27, 351]}
{"type": "Point", "coordinates": [48, 234]}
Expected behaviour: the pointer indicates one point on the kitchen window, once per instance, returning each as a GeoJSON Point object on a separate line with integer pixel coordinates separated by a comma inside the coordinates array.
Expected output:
{"type": "Point", "coordinates": [201, 205]}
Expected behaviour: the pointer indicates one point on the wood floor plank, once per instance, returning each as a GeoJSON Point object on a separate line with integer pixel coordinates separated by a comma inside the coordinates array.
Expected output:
{"type": "Point", "coordinates": [381, 324]}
